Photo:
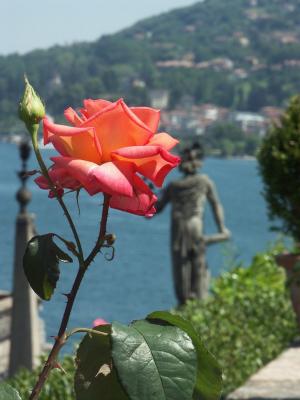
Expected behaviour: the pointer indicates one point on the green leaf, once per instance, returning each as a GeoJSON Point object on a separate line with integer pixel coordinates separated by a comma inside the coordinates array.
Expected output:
{"type": "Point", "coordinates": [41, 264]}
{"type": "Point", "coordinates": [154, 362]}
{"type": "Point", "coordinates": [8, 393]}
{"type": "Point", "coordinates": [209, 375]}
{"type": "Point", "coordinates": [95, 377]}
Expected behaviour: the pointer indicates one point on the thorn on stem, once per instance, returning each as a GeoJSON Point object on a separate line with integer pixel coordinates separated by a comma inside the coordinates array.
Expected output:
{"type": "Point", "coordinates": [58, 366]}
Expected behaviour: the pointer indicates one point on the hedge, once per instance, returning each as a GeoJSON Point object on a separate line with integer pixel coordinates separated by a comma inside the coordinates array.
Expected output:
{"type": "Point", "coordinates": [248, 320]}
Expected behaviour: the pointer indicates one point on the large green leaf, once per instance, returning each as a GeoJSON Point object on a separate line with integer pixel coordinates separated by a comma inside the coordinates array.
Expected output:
{"type": "Point", "coordinates": [154, 362]}
{"type": "Point", "coordinates": [8, 393]}
{"type": "Point", "coordinates": [209, 375]}
{"type": "Point", "coordinates": [95, 377]}
{"type": "Point", "coordinates": [41, 264]}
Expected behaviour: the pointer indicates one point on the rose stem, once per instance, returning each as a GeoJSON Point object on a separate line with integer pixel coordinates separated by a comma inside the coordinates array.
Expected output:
{"type": "Point", "coordinates": [44, 170]}
{"type": "Point", "coordinates": [61, 337]}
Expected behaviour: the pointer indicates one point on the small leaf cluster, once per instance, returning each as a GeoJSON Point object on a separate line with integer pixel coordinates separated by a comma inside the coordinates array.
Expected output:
{"type": "Point", "coordinates": [248, 320]}
{"type": "Point", "coordinates": [279, 166]}
{"type": "Point", "coordinates": [8, 393]}
{"type": "Point", "coordinates": [59, 386]}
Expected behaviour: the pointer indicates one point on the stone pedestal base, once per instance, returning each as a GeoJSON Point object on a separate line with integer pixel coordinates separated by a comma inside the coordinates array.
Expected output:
{"type": "Point", "coordinates": [25, 327]}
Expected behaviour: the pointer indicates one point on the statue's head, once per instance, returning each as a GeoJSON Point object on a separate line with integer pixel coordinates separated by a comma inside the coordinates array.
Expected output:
{"type": "Point", "coordinates": [191, 159]}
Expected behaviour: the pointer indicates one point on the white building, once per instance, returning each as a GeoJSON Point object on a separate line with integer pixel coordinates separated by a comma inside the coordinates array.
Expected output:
{"type": "Point", "coordinates": [249, 122]}
{"type": "Point", "coordinates": [159, 98]}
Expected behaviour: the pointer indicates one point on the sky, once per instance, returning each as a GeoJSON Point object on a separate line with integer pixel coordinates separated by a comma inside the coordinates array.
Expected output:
{"type": "Point", "coordinates": [29, 24]}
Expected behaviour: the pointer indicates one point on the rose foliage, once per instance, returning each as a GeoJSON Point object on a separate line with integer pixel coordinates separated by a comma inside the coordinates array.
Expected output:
{"type": "Point", "coordinates": [106, 150]}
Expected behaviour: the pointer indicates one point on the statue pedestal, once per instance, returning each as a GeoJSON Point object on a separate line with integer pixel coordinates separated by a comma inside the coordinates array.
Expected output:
{"type": "Point", "coordinates": [25, 324]}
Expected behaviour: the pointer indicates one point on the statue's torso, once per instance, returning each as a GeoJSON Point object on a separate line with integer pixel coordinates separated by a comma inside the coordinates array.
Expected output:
{"type": "Point", "coordinates": [188, 198]}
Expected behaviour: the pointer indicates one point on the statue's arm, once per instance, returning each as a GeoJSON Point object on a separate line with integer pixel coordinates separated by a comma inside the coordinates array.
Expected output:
{"type": "Point", "coordinates": [216, 206]}
{"type": "Point", "coordinates": [163, 199]}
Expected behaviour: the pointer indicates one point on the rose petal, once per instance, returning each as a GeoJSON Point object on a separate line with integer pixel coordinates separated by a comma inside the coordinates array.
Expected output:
{"type": "Point", "coordinates": [149, 116]}
{"type": "Point", "coordinates": [141, 203]}
{"type": "Point", "coordinates": [72, 116]}
{"type": "Point", "coordinates": [61, 179]}
{"type": "Point", "coordinates": [80, 170]}
{"type": "Point", "coordinates": [72, 141]}
{"type": "Point", "coordinates": [99, 321]}
{"type": "Point", "coordinates": [116, 126]}
{"type": "Point", "coordinates": [111, 178]}
{"type": "Point", "coordinates": [59, 193]}
{"type": "Point", "coordinates": [91, 107]}
{"type": "Point", "coordinates": [42, 182]}
{"type": "Point", "coordinates": [164, 140]}
{"type": "Point", "coordinates": [133, 152]}
{"type": "Point", "coordinates": [115, 177]}
{"type": "Point", "coordinates": [154, 162]}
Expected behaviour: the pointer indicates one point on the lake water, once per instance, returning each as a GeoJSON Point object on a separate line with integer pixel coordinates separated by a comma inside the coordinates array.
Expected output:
{"type": "Point", "coordinates": [138, 280]}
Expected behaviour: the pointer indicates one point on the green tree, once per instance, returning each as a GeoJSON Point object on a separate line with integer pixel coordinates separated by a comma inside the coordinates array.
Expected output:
{"type": "Point", "coordinates": [279, 166]}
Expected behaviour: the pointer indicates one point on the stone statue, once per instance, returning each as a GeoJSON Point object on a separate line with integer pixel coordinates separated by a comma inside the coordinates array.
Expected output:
{"type": "Point", "coordinates": [188, 196]}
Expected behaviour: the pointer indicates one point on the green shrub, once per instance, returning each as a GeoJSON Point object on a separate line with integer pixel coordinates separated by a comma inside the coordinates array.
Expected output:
{"type": "Point", "coordinates": [247, 321]}
{"type": "Point", "coordinates": [58, 387]}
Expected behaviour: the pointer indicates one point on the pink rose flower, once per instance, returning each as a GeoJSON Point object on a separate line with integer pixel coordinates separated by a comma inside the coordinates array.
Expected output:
{"type": "Point", "coordinates": [107, 149]}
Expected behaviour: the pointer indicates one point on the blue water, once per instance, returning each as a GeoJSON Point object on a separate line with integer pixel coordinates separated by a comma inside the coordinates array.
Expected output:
{"type": "Point", "coordinates": [139, 279]}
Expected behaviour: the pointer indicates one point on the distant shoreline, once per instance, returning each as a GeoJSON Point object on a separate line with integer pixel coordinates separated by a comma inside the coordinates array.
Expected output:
{"type": "Point", "coordinates": [243, 158]}
{"type": "Point", "coordinates": [17, 142]}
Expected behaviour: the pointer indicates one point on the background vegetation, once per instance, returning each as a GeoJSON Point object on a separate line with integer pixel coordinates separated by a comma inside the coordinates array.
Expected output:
{"type": "Point", "coordinates": [261, 40]}
{"type": "Point", "coordinates": [227, 140]}
{"type": "Point", "coordinates": [278, 158]}
{"type": "Point", "coordinates": [246, 322]}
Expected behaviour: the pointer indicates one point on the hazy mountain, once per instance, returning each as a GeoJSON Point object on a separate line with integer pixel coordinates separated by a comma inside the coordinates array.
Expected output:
{"type": "Point", "coordinates": [242, 54]}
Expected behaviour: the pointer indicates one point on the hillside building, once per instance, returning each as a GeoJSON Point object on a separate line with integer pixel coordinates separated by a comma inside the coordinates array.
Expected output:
{"type": "Point", "coordinates": [249, 122]}
{"type": "Point", "coordinates": [159, 99]}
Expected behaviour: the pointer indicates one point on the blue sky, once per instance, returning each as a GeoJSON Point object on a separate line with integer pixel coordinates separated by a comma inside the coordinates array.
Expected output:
{"type": "Point", "coordinates": [30, 24]}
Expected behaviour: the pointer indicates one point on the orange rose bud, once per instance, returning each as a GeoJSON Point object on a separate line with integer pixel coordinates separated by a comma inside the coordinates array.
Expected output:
{"type": "Point", "coordinates": [31, 108]}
